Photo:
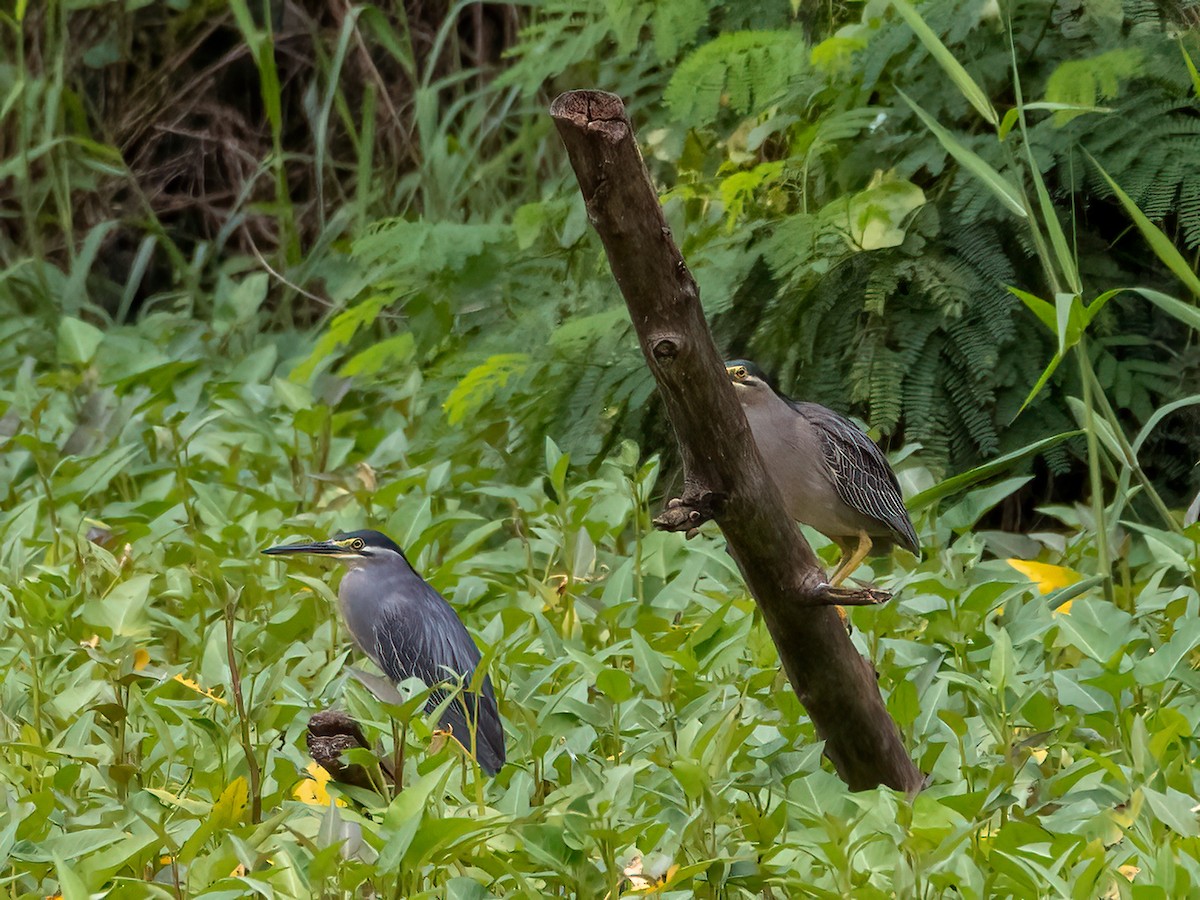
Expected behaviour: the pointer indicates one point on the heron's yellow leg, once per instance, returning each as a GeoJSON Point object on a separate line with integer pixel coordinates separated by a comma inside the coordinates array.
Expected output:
{"type": "Point", "coordinates": [851, 559]}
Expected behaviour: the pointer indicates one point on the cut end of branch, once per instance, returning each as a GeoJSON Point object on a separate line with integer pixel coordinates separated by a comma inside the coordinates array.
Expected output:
{"type": "Point", "coordinates": [596, 111]}
{"type": "Point", "coordinates": [688, 514]}
{"type": "Point", "coordinates": [330, 734]}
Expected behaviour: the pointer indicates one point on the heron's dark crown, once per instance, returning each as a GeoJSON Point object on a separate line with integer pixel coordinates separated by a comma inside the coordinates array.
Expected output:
{"type": "Point", "coordinates": [370, 538]}
{"type": "Point", "coordinates": [354, 548]}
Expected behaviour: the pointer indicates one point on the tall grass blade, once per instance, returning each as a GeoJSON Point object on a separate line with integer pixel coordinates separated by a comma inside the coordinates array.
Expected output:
{"type": "Point", "coordinates": [972, 162]}
{"type": "Point", "coordinates": [962, 80]}
{"type": "Point", "coordinates": [988, 469]}
{"type": "Point", "coordinates": [1162, 246]}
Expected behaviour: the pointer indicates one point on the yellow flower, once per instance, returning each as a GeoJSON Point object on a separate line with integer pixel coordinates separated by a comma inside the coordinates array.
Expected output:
{"type": "Point", "coordinates": [313, 790]}
{"type": "Point", "coordinates": [141, 659]}
{"type": "Point", "coordinates": [188, 683]}
{"type": "Point", "coordinates": [1047, 577]}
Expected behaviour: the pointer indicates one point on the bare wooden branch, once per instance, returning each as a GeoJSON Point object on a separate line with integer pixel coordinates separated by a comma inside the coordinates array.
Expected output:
{"type": "Point", "coordinates": [724, 477]}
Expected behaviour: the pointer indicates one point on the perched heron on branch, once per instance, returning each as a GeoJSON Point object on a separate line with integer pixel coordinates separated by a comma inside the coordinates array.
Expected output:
{"type": "Point", "coordinates": [832, 476]}
{"type": "Point", "coordinates": [409, 630]}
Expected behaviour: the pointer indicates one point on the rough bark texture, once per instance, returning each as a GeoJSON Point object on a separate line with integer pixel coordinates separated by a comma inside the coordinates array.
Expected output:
{"type": "Point", "coordinates": [724, 477]}
{"type": "Point", "coordinates": [331, 733]}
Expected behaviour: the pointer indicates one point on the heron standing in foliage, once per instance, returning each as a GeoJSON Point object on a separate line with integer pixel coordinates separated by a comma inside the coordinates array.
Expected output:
{"type": "Point", "coordinates": [409, 630]}
{"type": "Point", "coordinates": [831, 475]}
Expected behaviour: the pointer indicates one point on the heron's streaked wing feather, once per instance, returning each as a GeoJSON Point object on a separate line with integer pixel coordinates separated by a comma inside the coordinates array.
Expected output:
{"type": "Point", "coordinates": [437, 648]}
{"type": "Point", "coordinates": [862, 476]}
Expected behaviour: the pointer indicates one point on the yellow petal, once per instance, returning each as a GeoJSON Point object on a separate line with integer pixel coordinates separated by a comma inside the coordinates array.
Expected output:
{"type": "Point", "coordinates": [141, 659]}
{"type": "Point", "coordinates": [1129, 872]}
{"type": "Point", "coordinates": [188, 683]}
{"type": "Point", "coordinates": [1047, 577]}
{"type": "Point", "coordinates": [313, 790]}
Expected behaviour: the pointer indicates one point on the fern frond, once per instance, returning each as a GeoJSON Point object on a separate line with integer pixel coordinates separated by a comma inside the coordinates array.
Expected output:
{"type": "Point", "coordinates": [744, 71]}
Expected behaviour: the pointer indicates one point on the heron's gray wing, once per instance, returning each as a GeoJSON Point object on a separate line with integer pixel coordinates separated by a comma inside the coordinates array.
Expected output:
{"type": "Point", "coordinates": [427, 640]}
{"type": "Point", "coordinates": [863, 478]}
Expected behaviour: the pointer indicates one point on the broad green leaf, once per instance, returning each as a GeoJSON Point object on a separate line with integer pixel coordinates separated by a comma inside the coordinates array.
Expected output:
{"type": "Point", "coordinates": [238, 301]}
{"type": "Point", "coordinates": [123, 611]}
{"type": "Point", "coordinates": [293, 395]}
{"type": "Point", "coordinates": [1002, 662]}
{"type": "Point", "coordinates": [77, 341]}
{"type": "Point", "coordinates": [1157, 668]}
{"type": "Point", "coordinates": [1097, 628]}
{"type": "Point", "coordinates": [70, 885]}
{"type": "Point", "coordinates": [1174, 809]}
{"type": "Point", "coordinates": [405, 813]}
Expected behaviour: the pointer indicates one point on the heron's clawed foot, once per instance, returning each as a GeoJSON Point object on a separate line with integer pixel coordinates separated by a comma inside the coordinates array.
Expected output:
{"type": "Point", "coordinates": [844, 596]}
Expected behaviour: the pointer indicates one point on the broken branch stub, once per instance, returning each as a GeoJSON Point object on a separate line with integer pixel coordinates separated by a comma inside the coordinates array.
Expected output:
{"type": "Point", "coordinates": [724, 476]}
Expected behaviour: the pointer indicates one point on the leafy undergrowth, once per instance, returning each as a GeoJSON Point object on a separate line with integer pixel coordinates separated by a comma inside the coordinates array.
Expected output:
{"type": "Point", "coordinates": [653, 743]}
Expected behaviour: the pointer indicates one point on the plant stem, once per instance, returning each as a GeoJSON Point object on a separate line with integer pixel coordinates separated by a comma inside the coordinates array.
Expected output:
{"type": "Point", "coordinates": [1097, 483]}
{"type": "Point", "coordinates": [247, 748]}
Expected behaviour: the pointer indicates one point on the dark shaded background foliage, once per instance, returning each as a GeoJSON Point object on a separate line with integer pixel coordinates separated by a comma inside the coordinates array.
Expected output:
{"type": "Point", "coordinates": [284, 273]}
{"type": "Point", "coordinates": [212, 139]}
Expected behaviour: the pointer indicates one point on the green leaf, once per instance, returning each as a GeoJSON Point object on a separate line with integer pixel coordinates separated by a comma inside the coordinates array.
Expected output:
{"type": "Point", "coordinates": [1186, 313]}
{"type": "Point", "coordinates": [1097, 628]}
{"type": "Point", "coordinates": [77, 341]}
{"type": "Point", "coordinates": [1191, 67]}
{"type": "Point", "coordinates": [648, 668]}
{"type": "Point", "coordinates": [1162, 246]}
{"type": "Point", "coordinates": [405, 814]}
{"type": "Point", "coordinates": [1160, 414]}
{"type": "Point", "coordinates": [982, 472]}
{"type": "Point", "coordinates": [294, 396]}
{"type": "Point", "coordinates": [70, 885]}
{"type": "Point", "coordinates": [1003, 189]}
{"type": "Point", "coordinates": [389, 353]}
{"type": "Point", "coordinates": [1050, 369]}
{"type": "Point", "coordinates": [951, 66]}
{"type": "Point", "coordinates": [1157, 668]}
{"type": "Point", "coordinates": [480, 385]}
{"type": "Point", "coordinates": [1043, 309]}
{"type": "Point", "coordinates": [1173, 809]}
{"type": "Point", "coordinates": [123, 610]}
{"type": "Point", "coordinates": [237, 302]}
{"type": "Point", "coordinates": [1002, 662]}
{"type": "Point", "coordinates": [1079, 83]}
{"type": "Point", "coordinates": [342, 329]}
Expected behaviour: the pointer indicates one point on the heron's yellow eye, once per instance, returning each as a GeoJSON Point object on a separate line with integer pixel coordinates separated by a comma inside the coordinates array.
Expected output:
{"type": "Point", "coordinates": [739, 373]}
{"type": "Point", "coordinates": [357, 544]}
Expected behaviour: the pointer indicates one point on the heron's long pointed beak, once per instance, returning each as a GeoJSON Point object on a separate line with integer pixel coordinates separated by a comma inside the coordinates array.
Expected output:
{"type": "Point", "coordinates": [316, 548]}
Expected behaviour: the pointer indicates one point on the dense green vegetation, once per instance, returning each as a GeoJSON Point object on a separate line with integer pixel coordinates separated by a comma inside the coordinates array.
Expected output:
{"type": "Point", "coordinates": [276, 272]}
